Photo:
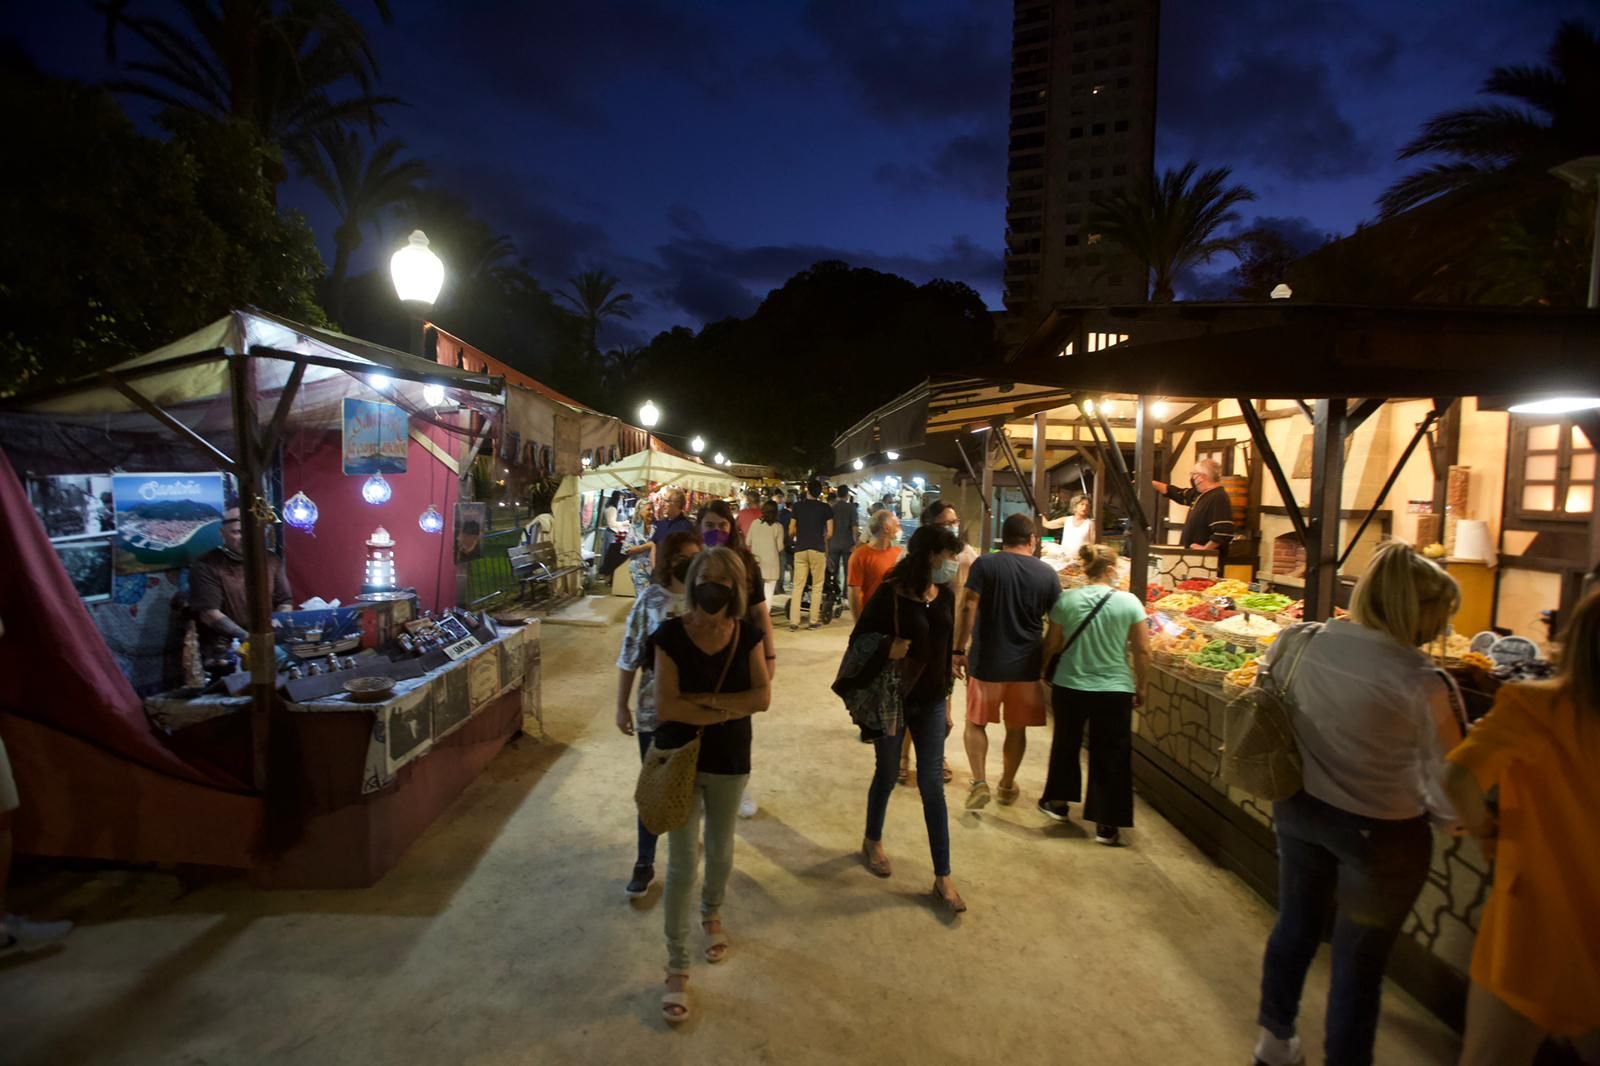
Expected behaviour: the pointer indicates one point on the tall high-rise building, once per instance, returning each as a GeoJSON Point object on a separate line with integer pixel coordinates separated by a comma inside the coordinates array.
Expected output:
{"type": "Point", "coordinates": [1083, 124]}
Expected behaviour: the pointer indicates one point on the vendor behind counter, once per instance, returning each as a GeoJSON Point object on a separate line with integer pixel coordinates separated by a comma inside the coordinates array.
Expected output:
{"type": "Point", "coordinates": [1209, 525]}
{"type": "Point", "coordinates": [217, 590]}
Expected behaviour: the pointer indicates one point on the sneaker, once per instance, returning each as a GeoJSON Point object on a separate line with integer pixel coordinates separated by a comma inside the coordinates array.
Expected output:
{"type": "Point", "coordinates": [747, 806]}
{"type": "Point", "coordinates": [978, 796]}
{"type": "Point", "coordinates": [794, 629]}
{"type": "Point", "coordinates": [1055, 809]}
{"type": "Point", "coordinates": [642, 876]}
{"type": "Point", "coordinates": [1109, 835]}
{"type": "Point", "coordinates": [1272, 1051]}
{"type": "Point", "coordinates": [814, 625]}
{"type": "Point", "coordinates": [18, 934]}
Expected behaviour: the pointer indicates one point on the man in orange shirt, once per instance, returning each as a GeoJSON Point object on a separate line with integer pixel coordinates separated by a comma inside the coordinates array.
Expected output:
{"type": "Point", "coordinates": [872, 561]}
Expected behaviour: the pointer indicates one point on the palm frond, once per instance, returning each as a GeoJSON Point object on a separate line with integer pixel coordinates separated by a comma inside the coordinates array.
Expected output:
{"type": "Point", "coordinates": [1425, 184]}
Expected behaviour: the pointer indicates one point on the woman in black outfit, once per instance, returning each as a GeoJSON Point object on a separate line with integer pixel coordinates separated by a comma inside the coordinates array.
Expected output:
{"type": "Point", "coordinates": [915, 601]}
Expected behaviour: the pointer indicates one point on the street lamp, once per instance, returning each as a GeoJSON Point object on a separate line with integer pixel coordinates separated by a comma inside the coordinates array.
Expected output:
{"type": "Point", "coordinates": [418, 275]}
{"type": "Point", "coordinates": [719, 459]}
{"type": "Point", "coordinates": [649, 415]}
{"type": "Point", "coordinates": [857, 465]}
{"type": "Point", "coordinates": [891, 456]}
{"type": "Point", "coordinates": [697, 445]}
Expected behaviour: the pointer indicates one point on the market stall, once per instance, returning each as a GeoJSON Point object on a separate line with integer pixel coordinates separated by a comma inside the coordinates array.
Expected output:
{"type": "Point", "coordinates": [1345, 425]}
{"type": "Point", "coordinates": [322, 741]}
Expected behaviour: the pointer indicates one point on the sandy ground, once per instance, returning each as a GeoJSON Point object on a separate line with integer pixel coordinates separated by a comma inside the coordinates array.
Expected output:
{"type": "Point", "coordinates": [504, 937]}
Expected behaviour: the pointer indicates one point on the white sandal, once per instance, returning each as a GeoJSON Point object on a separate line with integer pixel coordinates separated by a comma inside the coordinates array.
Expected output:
{"type": "Point", "coordinates": [675, 1005]}
{"type": "Point", "coordinates": [717, 946]}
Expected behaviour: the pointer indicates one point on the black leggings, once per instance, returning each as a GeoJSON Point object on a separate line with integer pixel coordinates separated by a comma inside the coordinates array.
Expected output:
{"type": "Point", "coordinates": [1109, 716]}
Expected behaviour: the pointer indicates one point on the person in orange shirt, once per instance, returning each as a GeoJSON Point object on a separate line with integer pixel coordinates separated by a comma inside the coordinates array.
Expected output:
{"type": "Point", "coordinates": [1536, 964]}
{"type": "Point", "coordinates": [871, 562]}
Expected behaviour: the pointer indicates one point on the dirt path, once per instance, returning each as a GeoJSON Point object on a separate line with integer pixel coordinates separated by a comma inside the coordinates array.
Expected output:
{"type": "Point", "coordinates": [504, 937]}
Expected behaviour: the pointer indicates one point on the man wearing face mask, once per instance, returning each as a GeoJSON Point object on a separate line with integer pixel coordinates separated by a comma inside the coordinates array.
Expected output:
{"type": "Point", "coordinates": [1209, 525]}
{"type": "Point", "coordinates": [871, 562]}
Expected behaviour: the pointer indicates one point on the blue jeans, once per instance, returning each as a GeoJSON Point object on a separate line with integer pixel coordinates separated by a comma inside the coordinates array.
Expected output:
{"type": "Point", "coordinates": [927, 737]}
{"type": "Point", "coordinates": [1364, 872]}
{"type": "Point", "coordinates": [647, 839]}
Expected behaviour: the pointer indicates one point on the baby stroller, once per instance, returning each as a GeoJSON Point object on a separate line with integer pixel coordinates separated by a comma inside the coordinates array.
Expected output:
{"type": "Point", "coordinates": [833, 602]}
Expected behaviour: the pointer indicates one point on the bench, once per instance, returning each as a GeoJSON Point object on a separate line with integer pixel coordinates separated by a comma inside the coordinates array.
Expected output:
{"type": "Point", "coordinates": [534, 568]}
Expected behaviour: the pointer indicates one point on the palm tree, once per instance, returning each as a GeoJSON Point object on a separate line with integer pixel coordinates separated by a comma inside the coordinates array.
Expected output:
{"type": "Point", "coordinates": [1553, 117]}
{"type": "Point", "coordinates": [361, 188]}
{"type": "Point", "coordinates": [591, 298]}
{"type": "Point", "coordinates": [1170, 223]}
{"type": "Point", "coordinates": [288, 67]}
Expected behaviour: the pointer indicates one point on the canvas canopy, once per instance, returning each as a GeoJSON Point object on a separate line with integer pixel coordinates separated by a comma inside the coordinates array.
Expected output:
{"type": "Point", "coordinates": [643, 468]}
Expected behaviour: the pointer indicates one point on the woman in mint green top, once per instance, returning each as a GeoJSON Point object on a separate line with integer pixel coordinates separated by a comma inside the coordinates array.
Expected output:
{"type": "Point", "coordinates": [1099, 681]}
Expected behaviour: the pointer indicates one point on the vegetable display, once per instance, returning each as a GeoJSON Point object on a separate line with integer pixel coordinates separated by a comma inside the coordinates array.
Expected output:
{"type": "Point", "coordinates": [1231, 588]}
{"type": "Point", "coordinates": [1216, 656]}
{"type": "Point", "coordinates": [1208, 612]}
{"type": "Point", "coordinates": [1196, 584]}
{"type": "Point", "coordinates": [1177, 602]}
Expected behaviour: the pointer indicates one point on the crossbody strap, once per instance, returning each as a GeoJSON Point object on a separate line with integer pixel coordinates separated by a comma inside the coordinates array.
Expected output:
{"type": "Point", "coordinates": [1076, 633]}
{"type": "Point", "coordinates": [727, 664]}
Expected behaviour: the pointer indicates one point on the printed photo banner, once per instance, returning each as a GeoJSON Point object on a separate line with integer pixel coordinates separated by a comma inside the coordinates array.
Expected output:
{"type": "Point", "coordinates": [376, 437]}
{"type": "Point", "coordinates": [165, 521]}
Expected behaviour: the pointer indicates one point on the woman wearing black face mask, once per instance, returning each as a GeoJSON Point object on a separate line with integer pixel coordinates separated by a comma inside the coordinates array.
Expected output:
{"type": "Point", "coordinates": [665, 597]}
{"type": "Point", "coordinates": [711, 676]}
{"type": "Point", "coordinates": [718, 528]}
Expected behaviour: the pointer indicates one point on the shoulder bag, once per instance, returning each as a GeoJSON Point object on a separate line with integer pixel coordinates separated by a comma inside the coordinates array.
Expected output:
{"type": "Point", "coordinates": [1259, 754]}
{"type": "Point", "coordinates": [1055, 660]}
{"type": "Point", "coordinates": [665, 792]}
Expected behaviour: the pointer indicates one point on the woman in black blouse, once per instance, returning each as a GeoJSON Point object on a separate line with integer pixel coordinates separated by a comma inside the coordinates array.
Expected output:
{"type": "Point", "coordinates": [916, 602]}
{"type": "Point", "coordinates": [712, 641]}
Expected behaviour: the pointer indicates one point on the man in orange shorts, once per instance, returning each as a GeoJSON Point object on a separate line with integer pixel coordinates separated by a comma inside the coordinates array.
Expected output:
{"type": "Point", "coordinates": [1007, 597]}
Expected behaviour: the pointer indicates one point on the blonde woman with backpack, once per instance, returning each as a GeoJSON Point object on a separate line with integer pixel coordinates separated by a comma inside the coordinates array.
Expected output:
{"type": "Point", "coordinates": [1372, 718]}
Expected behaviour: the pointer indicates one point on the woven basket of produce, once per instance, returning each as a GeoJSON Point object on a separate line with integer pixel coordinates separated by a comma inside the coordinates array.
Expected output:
{"type": "Point", "coordinates": [1175, 603]}
{"type": "Point", "coordinates": [1231, 688]}
{"type": "Point", "coordinates": [1246, 631]}
{"type": "Point", "coordinates": [1238, 681]}
{"type": "Point", "coordinates": [1211, 664]}
{"type": "Point", "coordinates": [1203, 675]}
{"type": "Point", "coordinates": [1268, 605]}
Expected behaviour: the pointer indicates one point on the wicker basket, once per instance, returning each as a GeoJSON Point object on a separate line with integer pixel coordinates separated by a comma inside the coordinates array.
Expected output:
{"type": "Point", "coordinates": [1232, 690]}
{"type": "Point", "coordinates": [1201, 675]}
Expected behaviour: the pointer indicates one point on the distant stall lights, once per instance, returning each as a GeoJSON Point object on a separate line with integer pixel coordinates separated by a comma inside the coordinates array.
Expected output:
{"type": "Point", "coordinates": [891, 456]}
{"type": "Point", "coordinates": [858, 465]}
{"type": "Point", "coordinates": [719, 459]}
{"type": "Point", "coordinates": [1555, 405]}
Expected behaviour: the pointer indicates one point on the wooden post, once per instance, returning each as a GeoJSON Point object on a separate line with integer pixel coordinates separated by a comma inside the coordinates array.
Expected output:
{"type": "Point", "coordinates": [1041, 467]}
{"type": "Point", "coordinates": [1144, 470]}
{"type": "Point", "coordinates": [1322, 525]}
{"type": "Point", "coordinates": [254, 513]}
{"type": "Point", "coordinates": [987, 473]}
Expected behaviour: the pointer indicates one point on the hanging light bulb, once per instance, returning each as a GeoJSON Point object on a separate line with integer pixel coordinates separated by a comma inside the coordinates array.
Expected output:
{"type": "Point", "coordinates": [433, 395]}
{"type": "Point", "coordinates": [379, 381]}
{"type": "Point", "coordinates": [376, 490]}
{"type": "Point", "coordinates": [300, 512]}
{"type": "Point", "coordinates": [431, 521]}
{"type": "Point", "coordinates": [858, 465]}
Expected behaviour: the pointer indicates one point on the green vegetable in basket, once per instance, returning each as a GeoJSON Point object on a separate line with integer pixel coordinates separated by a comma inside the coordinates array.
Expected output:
{"type": "Point", "coordinates": [1216, 656]}
{"type": "Point", "coordinates": [1264, 602]}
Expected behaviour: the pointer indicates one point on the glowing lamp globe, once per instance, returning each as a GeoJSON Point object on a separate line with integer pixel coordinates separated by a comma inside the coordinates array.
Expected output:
{"type": "Point", "coordinates": [891, 456]}
{"type": "Point", "coordinates": [858, 465]}
{"type": "Point", "coordinates": [433, 395]}
{"type": "Point", "coordinates": [719, 459]}
{"type": "Point", "coordinates": [431, 521]}
{"type": "Point", "coordinates": [380, 562]}
{"type": "Point", "coordinates": [300, 512]}
{"type": "Point", "coordinates": [379, 381]}
{"type": "Point", "coordinates": [418, 274]}
{"type": "Point", "coordinates": [649, 415]}
{"type": "Point", "coordinates": [697, 445]}
{"type": "Point", "coordinates": [376, 490]}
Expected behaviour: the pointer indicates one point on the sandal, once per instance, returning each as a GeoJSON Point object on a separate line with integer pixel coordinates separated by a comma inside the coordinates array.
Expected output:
{"type": "Point", "coordinates": [1008, 796]}
{"type": "Point", "coordinates": [949, 774]}
{"type": "Point", "coordinates": [978, 796]}
{"type": "Point", "coordinates": [954, 904]}
{"type": "Point", "coordinates": [717, 945]}
{"type": "Point", "coordinates": [905, 774]}
{"type": "Point", "coordinates": [675, 1005]}
{"type": "Point", "coordinates": [879, 867]}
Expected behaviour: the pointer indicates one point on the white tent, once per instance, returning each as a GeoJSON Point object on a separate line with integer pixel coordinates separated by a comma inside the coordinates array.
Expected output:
{"type": "Point", "coordinates": [640, 469]}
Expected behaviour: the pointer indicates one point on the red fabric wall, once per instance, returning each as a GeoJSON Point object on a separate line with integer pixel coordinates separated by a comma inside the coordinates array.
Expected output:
{"type": "Point", "coordinates": [331, 561]}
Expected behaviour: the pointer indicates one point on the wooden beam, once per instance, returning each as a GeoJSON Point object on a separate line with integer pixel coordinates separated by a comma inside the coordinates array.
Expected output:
{"type": "Point", "coordinates": [1405, 457]}
{"type": "Point", "coordinates": [1183, 418]}
{"type": "Point", "coordinates": [144, 404]}
{"type": "Point", "coordinates": [1041, 471]}
{"type": "Point", "coordinates": [1124, 477]}
{"type": "Point", "coordinates": [1258, 432]}
{"type": "Point", "coordinates": [253, 513]}
{"type": "Point", "coordinates": [1360, 413]}
{"type": "Point", "coordinates": [1327, 481]}
{"type": "Point", "coordinates": [472, 454]}
{"type": "Point", "coordinates": [280, 415]}
{"type": "Point", "coordinates": [1144, 497]}
{"type": "Point", "coordinates": [1445, 453]}
{"type": "Point", "coordinates": [484, 384]}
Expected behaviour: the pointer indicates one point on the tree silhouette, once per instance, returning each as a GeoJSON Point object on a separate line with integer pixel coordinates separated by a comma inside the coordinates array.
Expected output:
{"type": "Point", "coordinates": [361, 187]}
{"type": "Point", "coordinates": [593, 297]}
{"type": "Point", "coordinates": [288, 67]}
{"type": "Point", "coordinates": [1170, 223]}
{"type": "Point", "coordinates": [1552, 116]}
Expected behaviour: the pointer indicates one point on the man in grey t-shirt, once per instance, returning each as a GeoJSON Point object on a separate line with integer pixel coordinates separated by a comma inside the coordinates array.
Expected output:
{"type": "Point", "coordinates": [845, 536]}
{"type": "Point", "coordinates": [1007, 597]}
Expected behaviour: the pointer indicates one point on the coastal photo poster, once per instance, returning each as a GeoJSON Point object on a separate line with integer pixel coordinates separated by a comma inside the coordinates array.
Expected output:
{"type": "Point", "coordinates": [376, 437]}
{"type": "Point", "coordinates": [73, 505]}
{"type": "Point", "coordinates": [165, 521]}
{"type": "Point", "coordinates": [88, 564]}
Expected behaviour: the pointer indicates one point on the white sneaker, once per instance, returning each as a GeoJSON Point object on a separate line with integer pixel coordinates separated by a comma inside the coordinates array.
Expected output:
{"type": "Point", "coordinates": [19, 934]}
{"type": "Point", "coordinates": [1272, 1051]}
{"type": "Point", "coordinates": [747, 806]}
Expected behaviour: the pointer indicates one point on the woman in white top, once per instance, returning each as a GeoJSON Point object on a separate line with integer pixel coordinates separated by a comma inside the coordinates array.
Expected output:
{"type": "Point", "coordinates": [614, 533]}
{"type": "Point", "coordinates": [765, 541]}
{"type": "Point", "coordinates": [1373, 719]}
{"type": "Point", "coordinates": [1077, 528]}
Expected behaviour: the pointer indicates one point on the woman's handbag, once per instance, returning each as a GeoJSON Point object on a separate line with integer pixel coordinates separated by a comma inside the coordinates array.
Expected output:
{"type": "Point", "coordinates": [665, 792]}
{"type": "Point", "coordinates": [1259, 754]}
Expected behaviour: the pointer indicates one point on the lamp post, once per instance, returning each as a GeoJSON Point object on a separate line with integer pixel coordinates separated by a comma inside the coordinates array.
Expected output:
{"type": "Point", "coordinates": [418, 275]}
{"type": "Point", "coordinates": [649, 415]}
{"type": "Point", "coordinates": [697, 445]}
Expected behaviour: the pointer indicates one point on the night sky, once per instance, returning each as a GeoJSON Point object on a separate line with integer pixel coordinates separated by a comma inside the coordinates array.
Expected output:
{"type": "Point", "coordinates": [704, 151]}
